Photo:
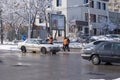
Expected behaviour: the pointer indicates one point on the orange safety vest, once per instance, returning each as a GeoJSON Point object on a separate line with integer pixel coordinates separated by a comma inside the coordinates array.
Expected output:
{"type": "Point", "coordinates": [65, 42]}
{"type": "Point", "coordinates": [50, 41]}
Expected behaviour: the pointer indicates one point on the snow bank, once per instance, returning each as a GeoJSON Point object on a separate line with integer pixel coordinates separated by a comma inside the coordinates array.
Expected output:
{"type": "Point", "coordinates": [8, 47]}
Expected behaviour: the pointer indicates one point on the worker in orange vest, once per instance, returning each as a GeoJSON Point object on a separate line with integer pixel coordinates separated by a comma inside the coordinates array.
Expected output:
{"type": "Point", "coordinates": [50, 40]}
{"type": "Point", "coordinates": [66, 42]}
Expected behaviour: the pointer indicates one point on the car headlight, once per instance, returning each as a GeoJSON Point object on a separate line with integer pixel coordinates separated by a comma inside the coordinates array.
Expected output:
{"type": "Point", "coordinates": [89, 48]}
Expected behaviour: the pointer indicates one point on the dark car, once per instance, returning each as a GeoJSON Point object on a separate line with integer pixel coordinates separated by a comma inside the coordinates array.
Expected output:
{"type": "Point", "coordinates": [106, 51]}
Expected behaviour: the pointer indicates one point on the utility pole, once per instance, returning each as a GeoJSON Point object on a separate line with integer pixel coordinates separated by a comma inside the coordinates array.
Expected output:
{"type": "Point", "coordinates": [29, 27]}
{"type": "Point", "coordinates": [1, 26]}
{"type": "Point", "coordinates": [89, 19]}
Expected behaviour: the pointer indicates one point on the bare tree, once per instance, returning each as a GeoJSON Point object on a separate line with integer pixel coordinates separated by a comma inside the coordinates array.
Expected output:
{"type": "Point", "coordinates": [22, 12]}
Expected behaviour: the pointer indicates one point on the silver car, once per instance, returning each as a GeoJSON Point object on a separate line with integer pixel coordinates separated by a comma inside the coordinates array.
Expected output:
{"type": "Point", "coordinates": [106, 51]}
{"type": "Point", "coordinates": [38, 45]}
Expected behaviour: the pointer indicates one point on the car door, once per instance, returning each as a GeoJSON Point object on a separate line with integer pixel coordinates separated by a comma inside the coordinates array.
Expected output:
{"type": "Point", "coordinates": [116, 52]}
{"type": "Point", "coordinates": [29, 44]}
{"type": "Point", "coordinates": [36, 45]}
{"type": "Point", "coordinates": [105, 51]}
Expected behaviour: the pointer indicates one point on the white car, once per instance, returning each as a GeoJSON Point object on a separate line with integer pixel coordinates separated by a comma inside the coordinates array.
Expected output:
{"type": "Point", "coordinates": [38, 45]}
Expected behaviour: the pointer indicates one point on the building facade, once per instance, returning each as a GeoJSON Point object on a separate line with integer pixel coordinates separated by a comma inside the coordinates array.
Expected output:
{"type": "Point", "coordinates": [114, 5]}
{"type": "Point", "coordinates": [81, 16]}
{"type": "Point", "coordinates": [114, 14]}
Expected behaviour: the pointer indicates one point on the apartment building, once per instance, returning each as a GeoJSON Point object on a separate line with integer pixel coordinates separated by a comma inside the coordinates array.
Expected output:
{"type": "Point", "coordinates": [81, 16]}
{"type": "Point", "coordinates": [114, 5]}
{"type": "Point", "coordinates": [114, 13]}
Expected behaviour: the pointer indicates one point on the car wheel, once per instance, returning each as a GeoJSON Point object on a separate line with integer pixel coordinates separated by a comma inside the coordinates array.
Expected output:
{"type": "Point", "coordinates": [23, 49]}
{"type": "Point", "coordinates": [43, 50]}
{"type": "Point", "coordinates": [95, 60]}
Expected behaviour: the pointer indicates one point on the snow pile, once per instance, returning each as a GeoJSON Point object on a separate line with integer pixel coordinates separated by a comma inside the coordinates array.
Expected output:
{"type": "Point", "coordinates": [106, 37]}
{"type": "Point", "coordinates": [9, 47]}
{"type": "Point", "coordinates": [117, 79]}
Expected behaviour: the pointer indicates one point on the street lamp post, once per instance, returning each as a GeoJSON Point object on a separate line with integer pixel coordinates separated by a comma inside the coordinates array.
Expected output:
{"type": "Point", "coordinates": [29, 27]}
{"type": "Point", "coordinates": [1, 26]}
{"type": "Point", "coordinates": [89, 19]}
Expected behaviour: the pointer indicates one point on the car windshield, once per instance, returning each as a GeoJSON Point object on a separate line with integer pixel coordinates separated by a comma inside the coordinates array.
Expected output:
{"type": "Point", "coordinates": [97, 42]}
{"type": "Point", "coordinates": [92, 44]}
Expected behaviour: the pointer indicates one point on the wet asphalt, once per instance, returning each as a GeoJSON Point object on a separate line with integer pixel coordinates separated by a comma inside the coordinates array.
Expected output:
{"type": "Point", "coordinates": [62, 66]}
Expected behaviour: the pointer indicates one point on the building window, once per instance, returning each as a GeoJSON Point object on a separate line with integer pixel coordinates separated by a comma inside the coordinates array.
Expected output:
{"type": "Point", "coordinates": [59, 33]}
{"type": "Point", "coordinates": [92, 17]}
{"type": "Point", "coordinates": [95, 31]}
{"type": "Point", "coordinates": [86, 30]}
{"type": "Point", "coordinates": [116, 10]}
{"type": "Point", "coordinates": [98, 5]}
{"type": "Point", "coordinates": [85, 1]}
{"type": "Point", "coordinates": [59, 12]}
{"type": "Point", "coordinates": [115, 0]}
{"type": "Point", "coordinates": [102, 18]}
{"type": "Point", "coordinates": [103, 6]}
{"type": "Point", "coordinates": [59, 3]}
{"type": "Point", "coordinates": [92, 4]}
